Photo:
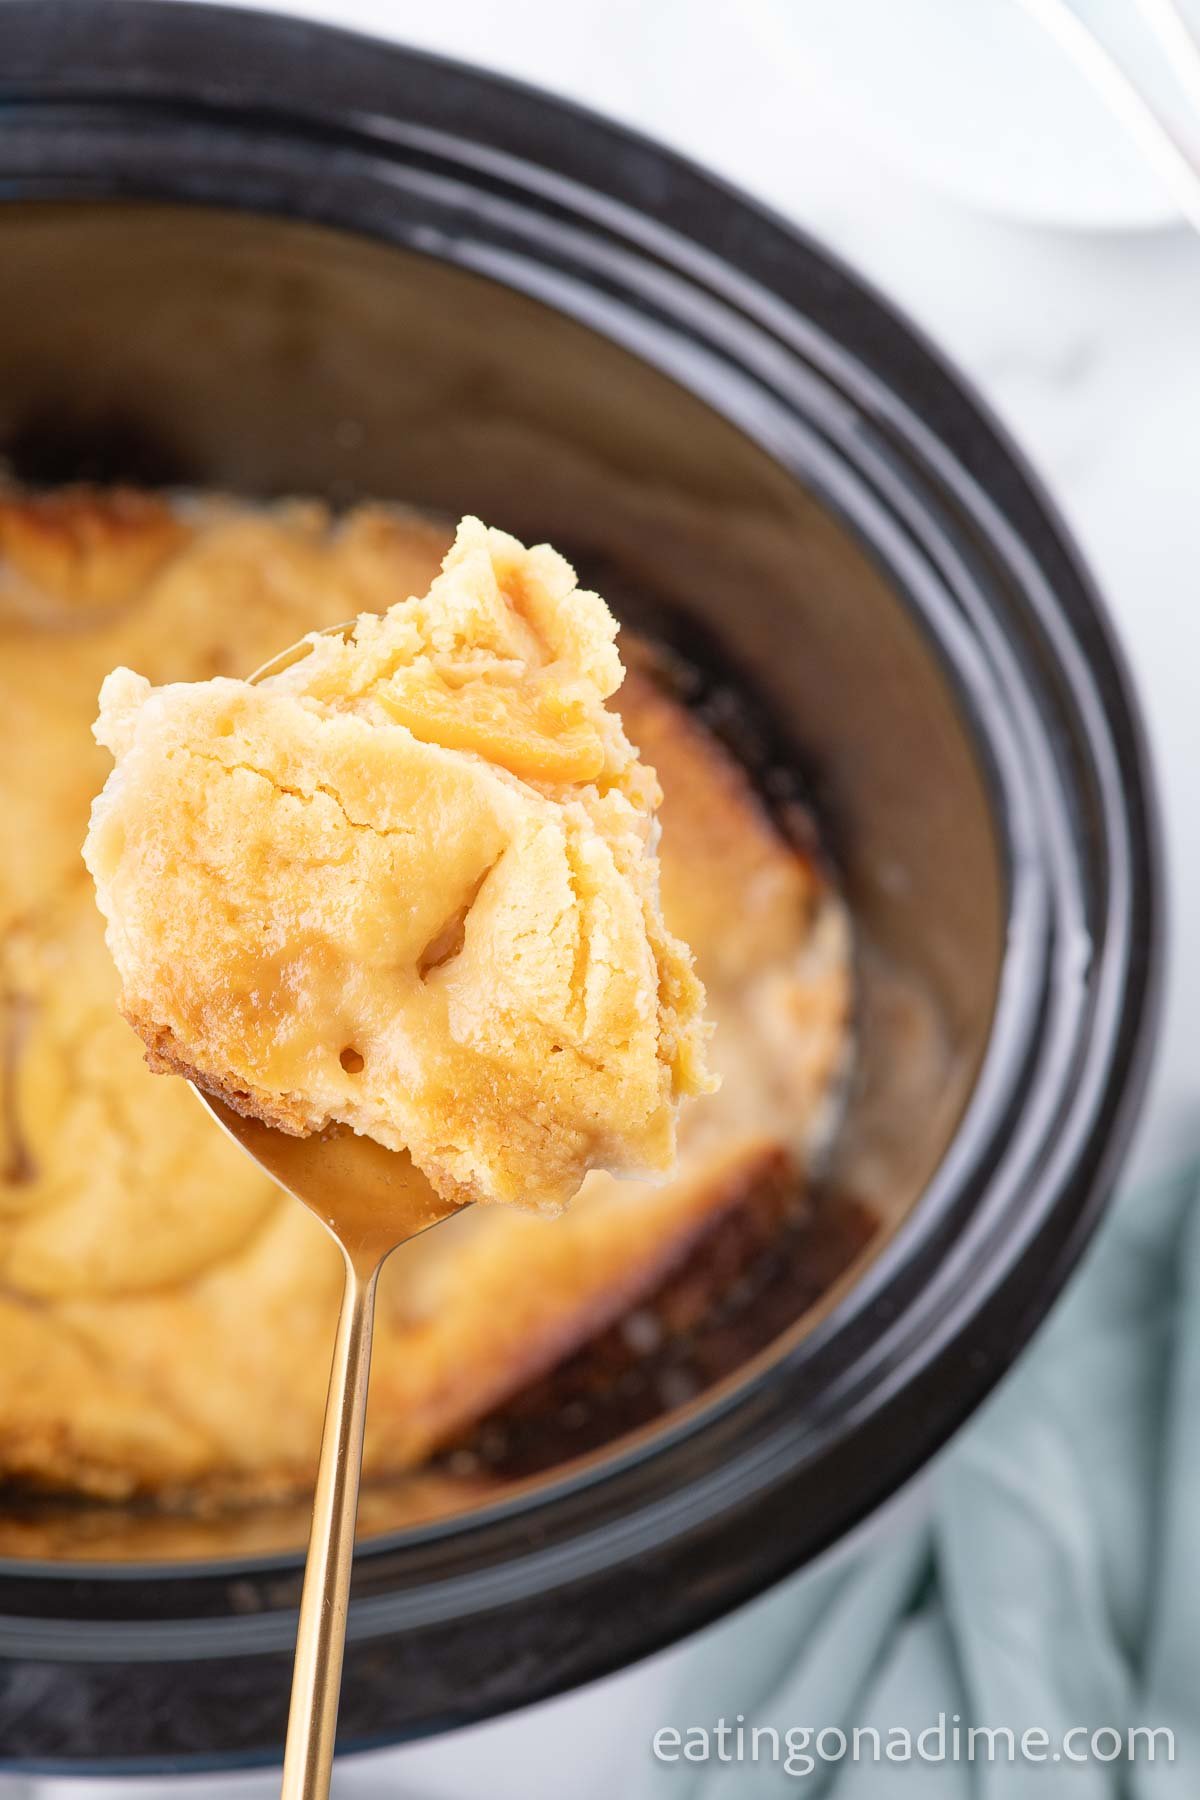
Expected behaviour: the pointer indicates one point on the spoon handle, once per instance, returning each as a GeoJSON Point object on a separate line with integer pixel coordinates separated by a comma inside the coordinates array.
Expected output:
{"type": "Point", "coordinates": [321, 1637]}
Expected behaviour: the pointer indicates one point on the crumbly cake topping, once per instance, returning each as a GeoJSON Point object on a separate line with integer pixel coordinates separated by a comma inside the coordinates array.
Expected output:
{"type": "Point", "coordinates": [408, 885]}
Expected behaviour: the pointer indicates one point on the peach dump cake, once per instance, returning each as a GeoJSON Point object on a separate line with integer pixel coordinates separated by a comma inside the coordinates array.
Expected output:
{"type": "Point", "coordinates": [408, 885]}
{"type": "Point", "coordinates": [165, 1312]}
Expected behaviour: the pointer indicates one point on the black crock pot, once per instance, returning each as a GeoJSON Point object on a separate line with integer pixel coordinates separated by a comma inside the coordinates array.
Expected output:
{"type": "Point", "coordinates": [246, 251]}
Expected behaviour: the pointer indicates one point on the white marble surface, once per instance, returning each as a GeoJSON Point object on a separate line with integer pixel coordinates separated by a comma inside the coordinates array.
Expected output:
{"type": "Point", "coordinates": [1088, 347]}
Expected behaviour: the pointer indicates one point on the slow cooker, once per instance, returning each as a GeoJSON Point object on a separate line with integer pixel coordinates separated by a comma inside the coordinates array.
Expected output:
{"type": "Point", "coordinates": [253, 253]}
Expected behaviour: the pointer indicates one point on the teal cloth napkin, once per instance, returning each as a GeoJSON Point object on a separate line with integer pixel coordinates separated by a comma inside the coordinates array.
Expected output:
{"type": "Point", "coordinates": [1052, 1583]}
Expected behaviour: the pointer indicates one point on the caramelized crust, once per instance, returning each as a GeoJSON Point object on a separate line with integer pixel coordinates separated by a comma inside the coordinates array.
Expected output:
{"type": "Point", "coordinates": [85, 549]}
{"type": "Point", "coordinates": [282, 1112]}
{"type": "Point", "coordinates": [165, 1316]}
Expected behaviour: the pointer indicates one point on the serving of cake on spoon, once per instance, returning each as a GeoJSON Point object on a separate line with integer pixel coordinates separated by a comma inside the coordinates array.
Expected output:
{"type": "Point", "coordinates": [407, 884]}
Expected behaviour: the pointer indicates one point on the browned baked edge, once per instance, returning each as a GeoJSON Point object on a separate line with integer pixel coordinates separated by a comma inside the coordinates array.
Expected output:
{"type": "Point", "coordinates": [85, 545]}
{"type": "Point", "coordinates": [281, 1112]}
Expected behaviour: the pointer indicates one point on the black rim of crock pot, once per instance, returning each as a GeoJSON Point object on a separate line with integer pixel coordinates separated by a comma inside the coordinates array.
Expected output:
{"type": "Point", "coordinates": [464, 1618]}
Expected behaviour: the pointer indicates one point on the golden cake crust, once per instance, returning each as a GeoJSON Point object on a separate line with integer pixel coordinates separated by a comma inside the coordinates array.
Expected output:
{"type": "Point", "coordinates": [407, 884]}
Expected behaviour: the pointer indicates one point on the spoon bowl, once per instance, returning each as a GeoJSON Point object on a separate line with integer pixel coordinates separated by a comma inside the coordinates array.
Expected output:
{"type": "Point", "coordinates": [369, 1199]}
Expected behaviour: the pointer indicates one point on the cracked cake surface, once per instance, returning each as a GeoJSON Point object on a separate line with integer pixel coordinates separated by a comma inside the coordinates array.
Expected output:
{"type": "Point", "coordinates": [165, 1312]}
{"type": "Point", "coordinates": [408, 885]}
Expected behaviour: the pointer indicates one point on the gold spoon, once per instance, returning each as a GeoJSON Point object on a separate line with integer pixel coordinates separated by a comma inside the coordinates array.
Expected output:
{"type": "Point", "coordinates": [369, 1200]}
